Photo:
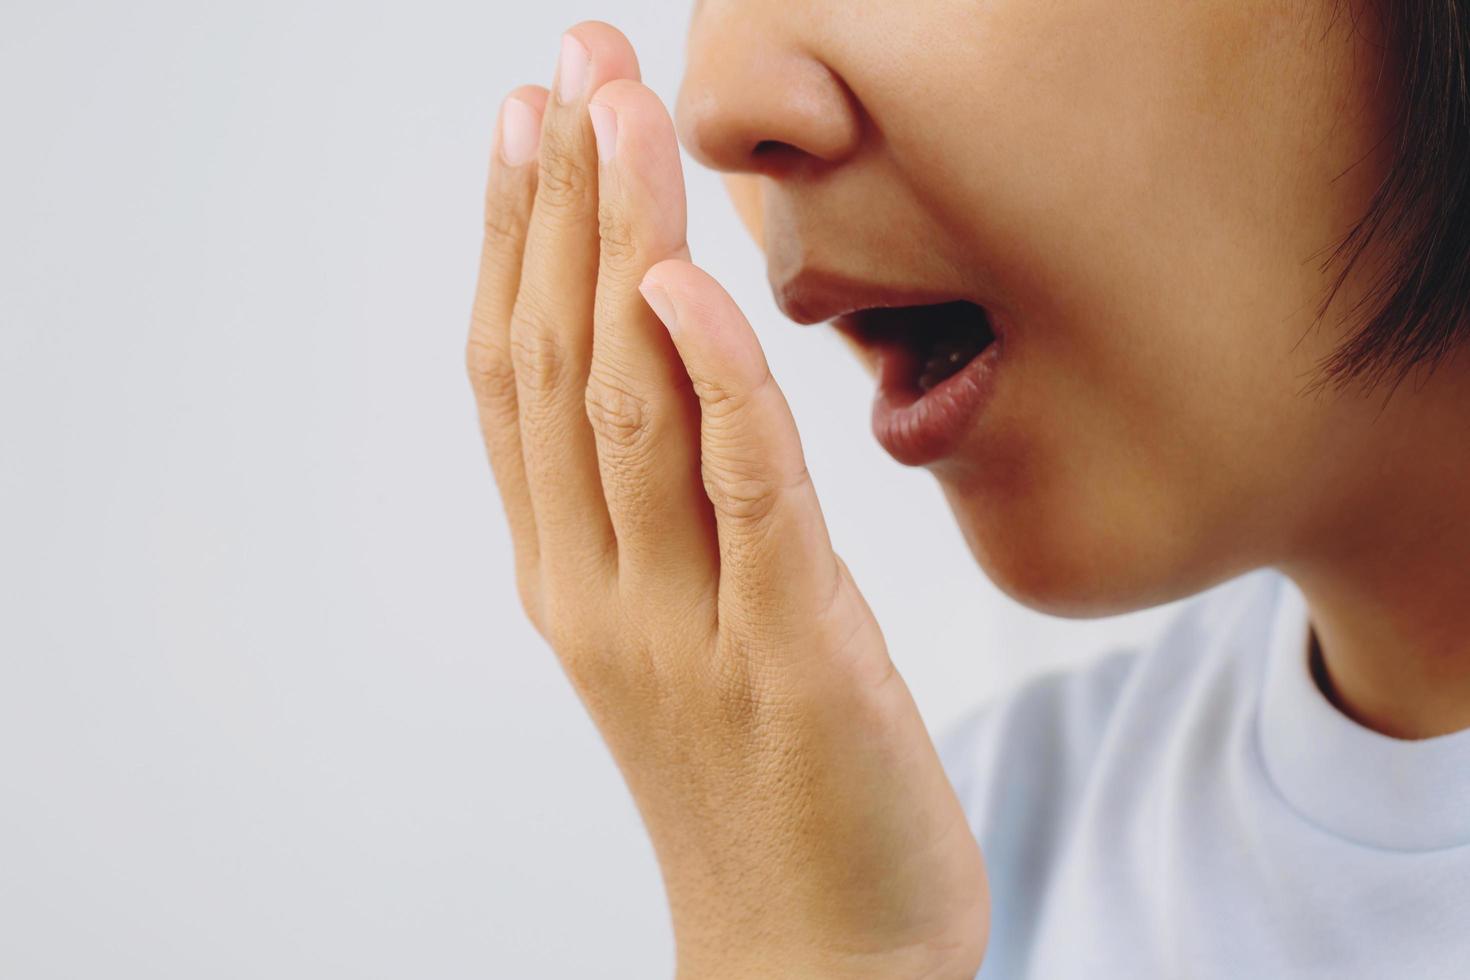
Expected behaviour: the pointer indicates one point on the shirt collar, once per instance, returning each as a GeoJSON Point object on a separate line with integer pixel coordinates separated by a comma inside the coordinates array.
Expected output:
{"type": "Point", "coordinates": [1395, 794]}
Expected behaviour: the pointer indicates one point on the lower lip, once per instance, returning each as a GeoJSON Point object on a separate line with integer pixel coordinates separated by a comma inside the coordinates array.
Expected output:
{"type": "Point", "coordinates": [922, 427]}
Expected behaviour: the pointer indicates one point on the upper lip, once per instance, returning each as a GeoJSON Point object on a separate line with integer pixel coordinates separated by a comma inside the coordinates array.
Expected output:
{"type": "Point", "coordinates": [816, 296]}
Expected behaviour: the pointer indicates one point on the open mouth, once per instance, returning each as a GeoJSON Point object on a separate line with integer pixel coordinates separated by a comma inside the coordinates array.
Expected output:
{"type": "Point", "coordinates": [938, 358]}
{"type": "Point", "coordinates": [921, 347]}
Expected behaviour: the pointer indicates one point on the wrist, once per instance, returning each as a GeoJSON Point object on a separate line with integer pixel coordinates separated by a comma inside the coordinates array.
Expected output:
{"type": "Point", "coordinates": [919, 963]}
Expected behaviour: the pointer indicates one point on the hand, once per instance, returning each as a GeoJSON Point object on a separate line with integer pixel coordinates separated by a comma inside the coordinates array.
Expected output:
{"type": "Point", "coordinates": [670, 548]}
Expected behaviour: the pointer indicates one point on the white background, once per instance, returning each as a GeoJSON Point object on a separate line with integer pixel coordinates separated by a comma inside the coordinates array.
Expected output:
{"type": "Point", "coordinates": [268, 707]}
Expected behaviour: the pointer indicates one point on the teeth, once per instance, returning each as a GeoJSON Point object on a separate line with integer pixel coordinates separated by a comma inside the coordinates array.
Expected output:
{"type": "Point", "coordinates": [945, 359]}
{"type": "Point", "coordinates": [941, 338]}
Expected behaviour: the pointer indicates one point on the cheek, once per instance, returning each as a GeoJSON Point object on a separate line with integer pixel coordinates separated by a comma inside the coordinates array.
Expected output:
{"type": "Point", "coordinates": [1138, 433]}
{"type": "Point", "coordinates": [1136, 440]}
{"type": "Point", "coordinates": [745, 194]}
{"type": "Point", "coordinates": [1152, 210]}
{"type": "Point", "coordinates": [1124, 167]}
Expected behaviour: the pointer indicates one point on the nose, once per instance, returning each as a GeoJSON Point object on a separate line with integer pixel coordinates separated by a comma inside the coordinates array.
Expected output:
{"type": "Point", "coordinates": [756, 96]}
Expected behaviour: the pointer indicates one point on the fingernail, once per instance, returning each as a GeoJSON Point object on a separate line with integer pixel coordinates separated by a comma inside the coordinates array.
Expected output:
{"type": "Point", "coordinates": [605, 127]}
{"type": "Point", "coordinates": [658, 300]}
{"type": "Point", "coordinates": [572, 72]}
{"type": "Point", "coordinates": [519, 139]}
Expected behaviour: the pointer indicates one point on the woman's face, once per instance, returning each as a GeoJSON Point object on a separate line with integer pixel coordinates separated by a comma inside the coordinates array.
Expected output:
{"type": "Point", "coordinates": [1139, 195]}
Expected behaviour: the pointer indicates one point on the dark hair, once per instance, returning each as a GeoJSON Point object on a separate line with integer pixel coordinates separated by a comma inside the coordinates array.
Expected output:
{"type": "Point", "coordinates": [1419, 304]}
{"type": "Point", "coordinates": [1417, 309]}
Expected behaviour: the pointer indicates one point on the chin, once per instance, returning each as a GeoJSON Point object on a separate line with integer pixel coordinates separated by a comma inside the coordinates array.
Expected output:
{"type": "Point", "coordinates": [1067, 558]}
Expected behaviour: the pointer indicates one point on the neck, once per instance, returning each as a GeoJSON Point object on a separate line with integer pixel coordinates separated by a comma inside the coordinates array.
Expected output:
{"type": "Point", "coordinates": [1388, 582]}
{"type": "Point", "coordinates": [1394, 660]}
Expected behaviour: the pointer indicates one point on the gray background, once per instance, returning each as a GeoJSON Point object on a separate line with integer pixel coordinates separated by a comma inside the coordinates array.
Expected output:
{"type": "Point", "coordinates": [268, 707]}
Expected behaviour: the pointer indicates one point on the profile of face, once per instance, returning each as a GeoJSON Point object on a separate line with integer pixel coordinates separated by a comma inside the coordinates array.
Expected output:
{"type": "Point", "coordinates": [1140, 197]}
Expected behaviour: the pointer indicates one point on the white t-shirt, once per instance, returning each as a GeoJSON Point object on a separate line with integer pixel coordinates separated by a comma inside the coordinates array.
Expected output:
{"type": "Point", "coordinates": [1200, 809]}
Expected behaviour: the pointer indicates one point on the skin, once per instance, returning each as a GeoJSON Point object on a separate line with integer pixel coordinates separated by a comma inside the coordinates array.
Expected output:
{"type": "Point", "coordinates": [1145, 195]}
{"type": "Point", "coordinates": [670, 548]}
{"type": "Point", "coordinates": [1140, 194]}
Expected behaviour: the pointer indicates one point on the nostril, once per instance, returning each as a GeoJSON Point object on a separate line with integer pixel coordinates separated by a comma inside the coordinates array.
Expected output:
{"type": "Point", "coordinates": [774, 157]}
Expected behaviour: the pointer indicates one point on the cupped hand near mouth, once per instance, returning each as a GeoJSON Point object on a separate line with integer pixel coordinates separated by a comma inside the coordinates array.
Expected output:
{"type": "Point", "coordinates": [670, 548]}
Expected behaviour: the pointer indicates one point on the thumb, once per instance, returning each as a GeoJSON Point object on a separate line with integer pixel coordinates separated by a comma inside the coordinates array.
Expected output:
{"type": "Point", "coordinates": [776, 559]}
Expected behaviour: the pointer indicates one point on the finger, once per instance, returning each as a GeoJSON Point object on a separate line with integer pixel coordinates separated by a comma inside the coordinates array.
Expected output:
{"type": "Point", "coordinates": [551, 328]}
{"type": "Point", "coordinates": [508, 196]}
{"type": "Point", "coordinates": [643, 411]}
{"type": "Point", "coordinates": [775, 555]}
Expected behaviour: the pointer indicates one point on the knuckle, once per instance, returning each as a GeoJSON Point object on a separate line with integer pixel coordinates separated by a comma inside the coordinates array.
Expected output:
{"type": "Point", "coordinates": [619, 243]}
{"type": "Point", "coordinates": [539, 358]}
{"type": "Point", "coordinates": [745, 499]}
{"type": "Point", "coordinates": [565, 612]}
{"type": "Point", "coordinates": [505, 230]}
{"type": "Point", "coordinates": [621, 419]}
{"type": "Point", "coordinates": [583, 652]}
{"type": "Point", "coordinates": [719, 404]}
{"type": "Point", "coordinates": [565, 637]}
{"type": "Point", "coordinates": [566, 179]}
{"type": "Point", "coordinates": [492, 376]}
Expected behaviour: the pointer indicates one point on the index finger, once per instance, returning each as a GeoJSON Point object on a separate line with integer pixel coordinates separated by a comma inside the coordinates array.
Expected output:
{"type": "Point", "coordinates": [775, 553]}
